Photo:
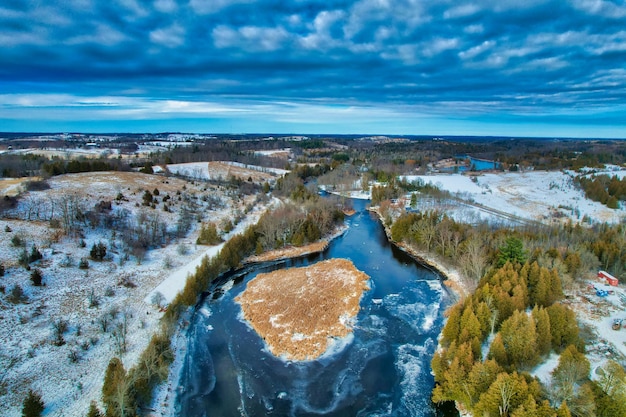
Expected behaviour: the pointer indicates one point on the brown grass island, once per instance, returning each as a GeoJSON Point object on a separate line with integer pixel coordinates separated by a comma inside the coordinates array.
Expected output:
{"type": "Point", "coordinates": [299, 312]}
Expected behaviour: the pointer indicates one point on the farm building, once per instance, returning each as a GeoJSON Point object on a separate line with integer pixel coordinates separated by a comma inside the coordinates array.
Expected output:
{"type": "Point", "coordinates": [610, 279]}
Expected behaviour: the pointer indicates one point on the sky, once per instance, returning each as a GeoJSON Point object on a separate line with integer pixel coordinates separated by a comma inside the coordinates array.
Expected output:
{"type": "Point", "coordinates": [398, 67]}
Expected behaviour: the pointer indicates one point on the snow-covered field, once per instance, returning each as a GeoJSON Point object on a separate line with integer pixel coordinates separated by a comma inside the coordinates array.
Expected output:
{"type": "Point", "coordinates": [223, 170]}
{"type": "Point", "coordinates": [535, 195]}
{"type": "Point", "coordinates": [69, 374]}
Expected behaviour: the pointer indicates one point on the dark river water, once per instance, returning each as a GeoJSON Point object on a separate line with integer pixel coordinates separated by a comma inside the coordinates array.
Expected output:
{"type": "Point", "coordinates": [382, 369]}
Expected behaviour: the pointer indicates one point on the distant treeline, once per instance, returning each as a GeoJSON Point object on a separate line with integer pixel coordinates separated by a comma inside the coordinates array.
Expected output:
{"type": "Point", "coordinates": [58, 167]}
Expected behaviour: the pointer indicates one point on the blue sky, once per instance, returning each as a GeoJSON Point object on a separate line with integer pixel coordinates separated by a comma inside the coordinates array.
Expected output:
{"type": "Point", "coordinates": [491, 67]}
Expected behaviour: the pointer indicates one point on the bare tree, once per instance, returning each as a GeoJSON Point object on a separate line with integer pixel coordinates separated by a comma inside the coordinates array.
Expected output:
{"type": "Point", "coordinates": [473, 259]}
{"type": "Point", "coordinates": [120, 332]}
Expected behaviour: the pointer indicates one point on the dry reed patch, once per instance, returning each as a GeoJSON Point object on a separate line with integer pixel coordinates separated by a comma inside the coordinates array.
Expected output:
{"type": "Point", "coordinates": [12, 186]}
{"type": "Point", "coordinates": [298, 311]}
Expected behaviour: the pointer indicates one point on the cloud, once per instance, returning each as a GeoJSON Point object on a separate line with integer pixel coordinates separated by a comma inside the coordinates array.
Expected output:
{"type": "Point", "coordinates": [170, 37]}
{"type": "Point", "coordinates": [463, 58]}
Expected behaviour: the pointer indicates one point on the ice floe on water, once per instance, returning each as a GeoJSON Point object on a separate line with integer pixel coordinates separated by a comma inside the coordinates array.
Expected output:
{"type": "Point", "coordinates": [414, 308]}
{"type": "Point", "coordinates": [410, 363]}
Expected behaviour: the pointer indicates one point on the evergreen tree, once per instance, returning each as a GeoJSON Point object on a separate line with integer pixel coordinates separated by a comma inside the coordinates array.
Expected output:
{"type": "Point", "coordinates": [98, 251]}
{"type": "Point", "coordinates": [116, 394]}
{"type": "Point", "coordinates": [470, 326]}
{"type": "Point", "coordinates": [497, 351]}
{"type": "Point", "coordinates": [542, 325]}
{"type": "Point", "coordinates": [94, 411]}
{"type": "Point", "coordinates": [452, 328]}
{"type": "Point", "coordinates": [33, 405]}
{"type": "Point", "coordinates": [563, 326]}
{"type": "Point", "coordinates": [563, 410]}
{"type": "Point", "coordinates": [520, 340]}
{"type": "Point", "coordinates": [608, 405]}
{"type": "Point", "coordinates": [208, 235]}
{"type": "Point", "coordinates": [480, 378]}
{"type": "Point", "coordinates": [512, 251]}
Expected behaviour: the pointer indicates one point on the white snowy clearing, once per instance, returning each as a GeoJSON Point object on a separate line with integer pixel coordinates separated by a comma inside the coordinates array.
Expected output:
{"type": "Point", "coordinates": [534, 195]}
{"type": "Point", "coordinates": [222, 170]}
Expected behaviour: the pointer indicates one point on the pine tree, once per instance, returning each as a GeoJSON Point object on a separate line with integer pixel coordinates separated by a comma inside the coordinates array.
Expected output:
{"type": "Point", "coordinates": [563, 326]}
{"type": "Point", "coordinates": [452, 328]}
{"type": "Point", "coordinates": [512, 251]}
{"type": "Point", "coordinates": [114, 390]}
{"type": "Point", "coordinates": [542, 325]}
{"type": "Point", "coordinates": [497, 351]}
{"type": "Point", "coordinates": [563, 410]}
{"type": "Point", "coordinates": [33, 405]}
{"type": "Point", "coordinates": [94, 411]}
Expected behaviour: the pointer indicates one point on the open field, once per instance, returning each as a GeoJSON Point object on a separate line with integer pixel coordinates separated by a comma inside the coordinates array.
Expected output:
{"type": "Point", "coordinates": [219, 170]}
{"type": "Point", "coordinates": [535, 195]}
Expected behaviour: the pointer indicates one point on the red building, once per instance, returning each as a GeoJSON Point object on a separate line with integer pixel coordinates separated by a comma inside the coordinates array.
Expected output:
{"type": "Point", "coordinates": [610, 279]}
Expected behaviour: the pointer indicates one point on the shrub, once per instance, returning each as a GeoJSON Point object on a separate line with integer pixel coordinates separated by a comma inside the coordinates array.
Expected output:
{"type": "Point", "coordinates": [1, 270]}
{"type": "Point", "coordinates": [73, 356]}
{"type": "Point", "coordinates": [182, 249]}
{"type": "Point", "coordinates": [158, 299]}
{"type": "Point", "coordinates": [94, 300]}
{"type": "Point", "coordinates": [83, 264]}
{"type": "Point", "coordinates": [208, 235]}
{"type": "Point", "coordinates": [35, 254]}
{"type": "Point", "coordinates": [98, 251]}
{"type": "Point", "coordinates": [36, 185]}
{"type": "Point", "coordinates": [59, 327]}
{"type": "Point", "coordinates": [16, 295]}
{"type": "Point", "coordinates": [36, 277]}
{"type": "Point", "coordinates": [17, 241]}
{"type": "Point", "coordinates": [33, 405]}
{"type": "Point", "coordinates": [147, 198]}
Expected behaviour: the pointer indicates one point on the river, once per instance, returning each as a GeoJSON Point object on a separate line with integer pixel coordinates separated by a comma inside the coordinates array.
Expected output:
{"type": "Point", "coordinates": [383, 368]}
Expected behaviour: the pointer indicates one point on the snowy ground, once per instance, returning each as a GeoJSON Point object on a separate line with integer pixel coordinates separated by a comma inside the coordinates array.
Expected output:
{"type": "Point", "coordinates": [70, 375]}
{"type": "Point", "coordinates": [223, 170]}
{"type": "Point", "coordinates": [535, 195]}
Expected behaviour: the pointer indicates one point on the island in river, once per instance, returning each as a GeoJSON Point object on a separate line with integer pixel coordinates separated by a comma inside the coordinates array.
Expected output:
{"type": "Point", "coordinates": [299, 312]}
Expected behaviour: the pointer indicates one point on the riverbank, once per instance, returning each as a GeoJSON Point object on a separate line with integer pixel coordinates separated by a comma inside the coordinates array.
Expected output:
{"type": "Point", "coordinates": [291, 252]}
{"type": "Point", "coordinates": [451, 277]}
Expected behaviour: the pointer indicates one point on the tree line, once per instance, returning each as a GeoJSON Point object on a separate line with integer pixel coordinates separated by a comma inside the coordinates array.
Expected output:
{"type": "Point", "coordinates": [608, 190]}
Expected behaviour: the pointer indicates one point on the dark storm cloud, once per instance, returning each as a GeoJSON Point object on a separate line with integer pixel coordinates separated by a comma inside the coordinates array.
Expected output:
{"type": "Point", "coordinates": [439, 57]}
